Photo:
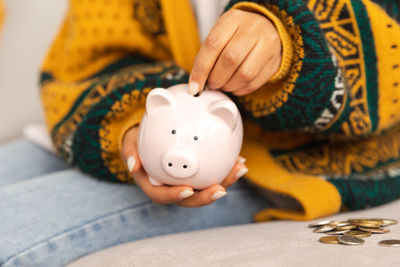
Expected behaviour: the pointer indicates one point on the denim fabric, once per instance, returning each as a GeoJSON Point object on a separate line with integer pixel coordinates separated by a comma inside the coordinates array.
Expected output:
{"type": "Point", "coordinates": [21, 159]}
{"type": "Point", "coordinates": [59, 214]}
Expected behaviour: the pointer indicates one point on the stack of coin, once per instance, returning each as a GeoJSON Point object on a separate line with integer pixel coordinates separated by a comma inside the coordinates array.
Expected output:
{"type": "Point", "coordinates": [352, 231]}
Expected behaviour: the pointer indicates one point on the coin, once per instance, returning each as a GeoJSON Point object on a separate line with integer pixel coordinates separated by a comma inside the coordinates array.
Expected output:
{"type": "Point", "coordinates": [390, 243]}
{"type": "Point", "coordinates": [336, 232]}
{"type": "Point", "coordinates": [324, 228]}
{"type": "Point", "coordinates": [384, 221]}
{"type": "Point", "coordinates": [370, 224]}
{"type": "Point", "coordinates": [346, 227]}
{"type": "Point", "coordinates": [321, 223]}
{"type": "Point", "coordinates": [350, 240]}
{"type": "Point", "coordinates": [365, 220]}
{"type": "Point", "coordinates": [329, 240]}
{"type": "Point", "coordinates": [374, 230]}
{"type": "Point", "coordinates": [343, 223]}
{"type": "Point", "coordinates": [389, 222]}
{"type": "Point", "coordinates": [357, 233]}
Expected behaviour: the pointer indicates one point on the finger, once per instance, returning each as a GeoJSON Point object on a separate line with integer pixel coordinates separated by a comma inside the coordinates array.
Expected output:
{"type": "Point", "coordinates": [271, 68]}
{"type": "Point", "coordinates": [162, 194]}
{"type": "Point", "coordinates": [210, 50]}
{"type": "Point", "coordinates": [129, 150]}
{"type": "Point", "coordinates": [236, 173]}
{"type": "Point", "coordinates": [231, 57]}
{"type": "Point", "coordinates": [252, 66]}
{"type": "Point", "coordinates": [204, 197]}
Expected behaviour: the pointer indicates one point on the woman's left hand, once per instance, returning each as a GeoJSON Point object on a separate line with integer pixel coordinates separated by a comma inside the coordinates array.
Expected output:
{"type": "Point", "coordinates": [241, 53]}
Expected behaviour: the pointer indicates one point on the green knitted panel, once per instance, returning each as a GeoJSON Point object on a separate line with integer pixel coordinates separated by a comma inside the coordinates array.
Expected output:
{"type": "Point", "coordinates": [360, 194]}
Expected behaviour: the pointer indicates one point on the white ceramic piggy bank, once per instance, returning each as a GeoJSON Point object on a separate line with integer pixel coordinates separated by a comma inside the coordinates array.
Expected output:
{"type": "Point", "coordinates": [188, 140]}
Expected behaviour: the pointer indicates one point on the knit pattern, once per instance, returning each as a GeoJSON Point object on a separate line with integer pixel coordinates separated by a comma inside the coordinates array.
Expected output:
{"type": "Point", "coordinates": [345, 149]}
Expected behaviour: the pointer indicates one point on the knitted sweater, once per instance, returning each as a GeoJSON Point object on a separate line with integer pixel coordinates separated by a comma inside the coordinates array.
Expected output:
{"type": "Point", "coordinates": [321, 136]}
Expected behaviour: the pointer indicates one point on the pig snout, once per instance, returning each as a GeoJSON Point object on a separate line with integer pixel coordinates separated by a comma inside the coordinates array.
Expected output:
{"type": "Point", "coordinates": [180, 162]}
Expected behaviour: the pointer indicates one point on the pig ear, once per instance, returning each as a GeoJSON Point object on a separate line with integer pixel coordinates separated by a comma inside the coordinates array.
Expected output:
{"type": "Point", "coordinates": [226, 111]}
{"type": "Point", "coordinates": [157, 98]}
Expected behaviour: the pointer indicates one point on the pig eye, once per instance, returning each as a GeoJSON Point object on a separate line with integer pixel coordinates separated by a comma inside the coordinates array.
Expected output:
{"type": "Point", "coordinates": [173, 132]}
{"type": "Point", "coordinates": [196, 138]}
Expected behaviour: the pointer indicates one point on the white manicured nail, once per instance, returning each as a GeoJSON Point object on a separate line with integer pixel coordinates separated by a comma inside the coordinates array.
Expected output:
{"type": "Point", "coordinates": [193, 88]}
{"type": "Point", "coordinates": [241, 172]}
{"type": "Point", "coordinates": [185, 194]}
{"type": "Point", "coordinates": [242, 160]}
{"type": "Point", "coordinates": [131, 163]}
{"type": "Point", "coordinates": [218, 195]}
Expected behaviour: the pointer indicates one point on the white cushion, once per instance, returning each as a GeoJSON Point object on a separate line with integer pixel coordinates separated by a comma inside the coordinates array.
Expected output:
{"type": "Point", "coordinates": [277, 243]}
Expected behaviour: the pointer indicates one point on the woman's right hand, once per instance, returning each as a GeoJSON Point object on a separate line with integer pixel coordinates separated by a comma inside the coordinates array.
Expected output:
{"type": "Point", "coordinates": [183, 195]}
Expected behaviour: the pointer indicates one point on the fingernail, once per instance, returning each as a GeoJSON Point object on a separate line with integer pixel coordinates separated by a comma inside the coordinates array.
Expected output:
{"type": "Point", "coordinates": [193, 88]}
{"type": "Point", "coordinates": [218, 195]}
{"type": "Point", "coordinates": [131, 163]}
{"type": "Point", "coordinates": [242, 160]}
{"type": "Point", "coordinates": [241, 172]}
{"type": "Point", "coordinates": [185, 194]}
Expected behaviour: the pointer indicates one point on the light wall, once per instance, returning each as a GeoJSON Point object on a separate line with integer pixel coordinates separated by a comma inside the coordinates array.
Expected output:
{"type": "Point", "coordinates": [28, 30]}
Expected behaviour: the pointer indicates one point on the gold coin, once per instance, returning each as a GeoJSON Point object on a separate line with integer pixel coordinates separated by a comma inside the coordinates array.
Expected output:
{"type": "Point", "coordinates": [370, 224]}
{"type": "Point", "coordinates": [390, 243]}
{"type": "Point", "coordinates": [365, 220]}
{"type": "Point", "coordinates": [389, 221]}
{"type": "Point", "coordinates": [384, 221]}
{"type": "Point", "coordinates": [374, 230]}
{"type": "Point", "coordinates": [329, 240]}
{"type": "Point", "coordinates": [357, 233]}
{"type": "Point", "coordinates": [354, 221]}
{"type": "Point", "coordinates": [346, 227]}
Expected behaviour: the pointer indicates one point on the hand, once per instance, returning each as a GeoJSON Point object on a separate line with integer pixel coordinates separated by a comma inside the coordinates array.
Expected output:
{"type": "Point", "coordinates": [240, 54]}
{"type": "Point", "coordinates": [183, 196]}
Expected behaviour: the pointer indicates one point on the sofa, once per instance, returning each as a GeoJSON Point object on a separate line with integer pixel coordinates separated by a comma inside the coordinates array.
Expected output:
{"type": "Point", "coordinates": [27, 32]}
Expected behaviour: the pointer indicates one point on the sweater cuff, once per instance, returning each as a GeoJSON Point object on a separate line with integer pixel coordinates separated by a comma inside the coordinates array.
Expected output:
{"type": "Point", "coordinates": [287, 48]}
{"type": "Point", "coordinates": [294, 195]}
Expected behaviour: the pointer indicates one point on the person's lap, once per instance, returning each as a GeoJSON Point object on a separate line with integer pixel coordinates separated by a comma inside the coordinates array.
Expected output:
{"type": "Point", "coordinates": [54, 218]}
{"type": "Point", "coordinates": [21, 159]}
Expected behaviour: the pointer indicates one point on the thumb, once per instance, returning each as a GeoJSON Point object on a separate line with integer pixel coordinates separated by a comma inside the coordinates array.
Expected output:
{"type": "Point", "coordinates": [129, 150]}
{"type": "Point", "coordinates": [133, 162]}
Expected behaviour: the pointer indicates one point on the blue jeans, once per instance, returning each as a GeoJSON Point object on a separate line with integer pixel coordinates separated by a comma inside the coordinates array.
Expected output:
{"type": "Point", "coordinates": [51, 214]}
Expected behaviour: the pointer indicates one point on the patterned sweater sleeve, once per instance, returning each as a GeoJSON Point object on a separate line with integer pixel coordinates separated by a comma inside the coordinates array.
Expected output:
{"type": "Point", "coordinates": [326, 132]}
{"type": "Point", "coordinates": [97, 73]}
{"type": "Point", "coordinates": [340, 67]}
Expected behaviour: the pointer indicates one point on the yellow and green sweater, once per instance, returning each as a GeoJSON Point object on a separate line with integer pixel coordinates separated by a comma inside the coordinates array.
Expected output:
{"type": "Point", "coordinates": [322, 136]}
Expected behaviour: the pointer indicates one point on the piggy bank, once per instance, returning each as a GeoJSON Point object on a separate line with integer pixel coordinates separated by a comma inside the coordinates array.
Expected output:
{"type": "Point", "coordinates": [189, 140]}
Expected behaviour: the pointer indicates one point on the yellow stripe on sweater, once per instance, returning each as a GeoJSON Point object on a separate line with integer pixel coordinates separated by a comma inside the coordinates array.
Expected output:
{"type": "Point", "coordinates": [317, 197]}
{"type": "Point", "coordinates": [387, 46]}
{"type": "Point", "coordinates": [182, 32]}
